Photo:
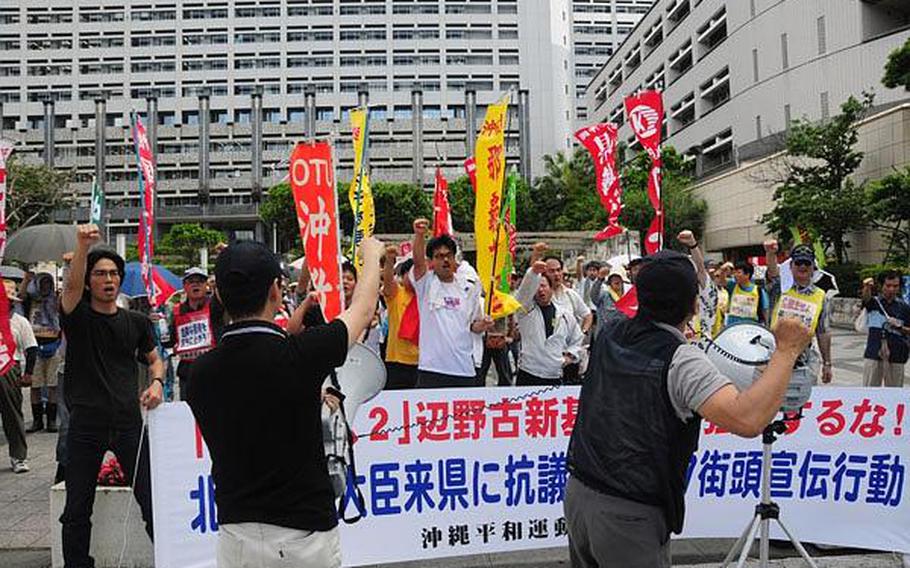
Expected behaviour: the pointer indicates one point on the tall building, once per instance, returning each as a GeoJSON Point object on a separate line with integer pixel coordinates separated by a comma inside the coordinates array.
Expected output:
{"type": "Point", "coordinates": [205, 70]}
{"type": "Point", "coordinates": [735, 73]}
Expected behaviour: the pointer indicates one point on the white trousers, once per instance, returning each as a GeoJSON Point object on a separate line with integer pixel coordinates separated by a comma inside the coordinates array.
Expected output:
{"type": "Point", "coordinates": [258, 545]}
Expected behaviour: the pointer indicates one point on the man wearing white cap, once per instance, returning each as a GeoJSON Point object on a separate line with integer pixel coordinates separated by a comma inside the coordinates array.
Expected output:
{"type": "Point", "coordinates": [196, 325]}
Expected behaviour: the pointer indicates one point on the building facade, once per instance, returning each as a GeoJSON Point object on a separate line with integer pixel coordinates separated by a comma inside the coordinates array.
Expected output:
{"type": "Point", "coordinates": [203, 72]}
{"type": "Point", "coordinates": [735, 73]}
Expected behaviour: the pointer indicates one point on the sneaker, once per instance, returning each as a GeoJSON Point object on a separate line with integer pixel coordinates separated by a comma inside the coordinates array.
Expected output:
{"type": "Point", "coordinates": [20, 466]}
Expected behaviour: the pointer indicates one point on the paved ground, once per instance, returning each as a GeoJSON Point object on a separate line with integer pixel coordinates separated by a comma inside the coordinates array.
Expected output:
{"type": "Point", "coordinates": [24, 505]}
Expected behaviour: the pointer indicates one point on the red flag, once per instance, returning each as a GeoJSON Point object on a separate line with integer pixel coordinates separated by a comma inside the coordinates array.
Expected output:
{"type": "Point", "coordinates": [628, 304]}
{"type": "Point", "coordinates": [470, 167]}
{"type": "Point", "coordinates": [442, 215]}
{"type": "Point", "coordinates": [653, 239]}
{"type": "Point", "coordinates": [409, 328]}
{"type": "Point", "coordinates": [312, 180]}
{"type": "Point", "coordinates": [646, 115]}
{"type": "Point", "coordinates": [146, 245]}
{"type": "Point", "coordinates": [600, 141]}
{"type": "Point", "coordinates": [6, 148]}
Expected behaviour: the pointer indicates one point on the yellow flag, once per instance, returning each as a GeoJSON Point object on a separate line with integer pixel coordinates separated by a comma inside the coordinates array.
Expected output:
{"type": "Point", "coordinates": [360, 194]}
{"type": "Point", "coordinates": [490, 235]}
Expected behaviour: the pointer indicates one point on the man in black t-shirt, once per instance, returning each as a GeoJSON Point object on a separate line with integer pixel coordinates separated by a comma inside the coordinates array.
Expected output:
{"type": "Point", "coordinates": [275, 502]}
{"type": "Point", "coordinates": [105, 343]}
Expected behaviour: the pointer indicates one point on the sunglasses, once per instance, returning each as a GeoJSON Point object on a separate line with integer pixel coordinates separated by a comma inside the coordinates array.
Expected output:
{"type": "Point", "coordinates": [802, 262]}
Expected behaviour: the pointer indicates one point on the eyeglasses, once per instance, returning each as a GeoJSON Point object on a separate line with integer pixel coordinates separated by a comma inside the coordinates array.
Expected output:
{"type": "Point", "coordinates": [112, 274]}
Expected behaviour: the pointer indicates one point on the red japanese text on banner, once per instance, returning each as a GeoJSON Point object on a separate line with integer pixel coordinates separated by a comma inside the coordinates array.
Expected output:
{"type": "Point", "coordinates": [7, 341]}
{"type": "Point", "coordinates": [146, 245]}
{"type": "Point", "coordinates": [600, 141]}
{"type": "Point", "coordinates": [442, 214]}
{"type": "Point", "coordinates": [312, 178]}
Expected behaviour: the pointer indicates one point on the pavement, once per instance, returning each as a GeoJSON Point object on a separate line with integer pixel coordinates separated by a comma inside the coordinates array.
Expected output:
{"type": "Point", "coordinates": [25, 505]}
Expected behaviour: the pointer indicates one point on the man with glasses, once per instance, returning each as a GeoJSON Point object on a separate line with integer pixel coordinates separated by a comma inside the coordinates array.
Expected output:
{"type": "Point", "coordinates": [801, 299]}
{"type": "Point", "coordinates": [105, 343]}
{"type": "Point", "coordinates": [450, 310]}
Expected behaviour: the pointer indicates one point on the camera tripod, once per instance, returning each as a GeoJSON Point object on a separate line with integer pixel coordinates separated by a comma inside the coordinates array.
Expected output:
{"type": "Point", "coordinates": [765, 511]}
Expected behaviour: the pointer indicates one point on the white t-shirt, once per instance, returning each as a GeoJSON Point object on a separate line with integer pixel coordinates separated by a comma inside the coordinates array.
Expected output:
{"type": "Point", "coordinates": [24, 336]}
{"type": "Point", "coordinates": [446, 312]}
{"type": "Point", "coordinates": [570, 302]}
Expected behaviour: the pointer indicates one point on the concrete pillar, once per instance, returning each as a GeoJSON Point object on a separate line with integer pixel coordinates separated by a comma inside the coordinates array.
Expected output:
{"type": "Point", "coordinates": [204, 118]}
{"type": "Point", "coordinates": [256, 146]}
{"type": "Point", "coordinates": [121, 244]}
{"type": "Point", "coordinates": [311, 114]}
{"type": "Point", "coordinates": [100, 141]}
{"type": "Point", "coordinates": [470, 117]}
{"type": "Point", "coordinates": [1, 119]}
{"type": "Point", "coordinates": [49, 133]}
{"type": "Point", "coordinates": [151, 117]}
{"type": "Point", "coordinates": [524, 134]}
{"type": "Point", "coordinates": [363, 97]}
{"type": "Point", "coordinates": [417, 136]}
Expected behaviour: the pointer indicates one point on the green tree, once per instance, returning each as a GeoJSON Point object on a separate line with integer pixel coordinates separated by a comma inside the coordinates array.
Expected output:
{"type": "Point", "coordinates": [396, 204]}
{"type": "Point", "coordinates": [816, 191]}
{"type": "Point", "coordinates": [888, 205]}
{"type": "Point", "coordinates": [34, 192]}
{"type": "Point", "coordinates": [897, 68]}
{"type": "Point", "coordinates": [185, 240]}
{"type": "Point", "coordinates": [461, 201]}
{"type": "Point", "coordinates": [278, 208]}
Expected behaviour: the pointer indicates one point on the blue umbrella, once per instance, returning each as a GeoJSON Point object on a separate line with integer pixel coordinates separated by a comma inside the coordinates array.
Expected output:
{"type": "Point", "coordinates": [133, 286]}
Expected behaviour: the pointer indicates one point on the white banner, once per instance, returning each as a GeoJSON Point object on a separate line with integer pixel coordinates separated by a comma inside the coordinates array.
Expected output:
{"type": "Point", "coordinates": [483, 470]}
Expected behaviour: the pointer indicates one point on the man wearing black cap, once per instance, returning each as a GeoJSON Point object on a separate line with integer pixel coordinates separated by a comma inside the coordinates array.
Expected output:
{"type": "Point", "coordinates": [257, 400]}
{"type": "Point", "coordinates": [639, 419]}
{"type": "Point", "coordinates": [196, 325]}
{"type": "Point", "coordinates": [804, 300]}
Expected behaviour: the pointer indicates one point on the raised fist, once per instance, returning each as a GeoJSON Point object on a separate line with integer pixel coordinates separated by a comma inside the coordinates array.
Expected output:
{"type": "Point", "coordinates": [391, 251]}
{"type": "Point", "coordinates": [87, 235]}
{"type": "Point", "coordinates": [421, 226]}
{"type": "Point", "coordinates": [687, 238]}
{"type": "Point", "coordinates": [771, 246]}
{"type": "Point", "coordinates": [539, 267]}
{"type": "Point", "coordinates": [792, 335]}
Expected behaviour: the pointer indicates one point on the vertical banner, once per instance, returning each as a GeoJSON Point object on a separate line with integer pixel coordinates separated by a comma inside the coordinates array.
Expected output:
{"type": "Point", "coordinates": [646, 114]}
{"type": "Point", "coordinates": [442, 214]}
{"type": "Point", "coordinates": [360, 193]}
{"type": "Point", "coordinates": [489, 235]}
{"type": "Point", "coordinates": [97, 208]}
{"type": "Point", "coordinates": [7, 341]}
{"type": "Point", "coordinates": [146, 160]}
{"type": "Point", "coordinates": [470, 168]}
{"type": "Point", "coordinates": [600, 141]}
{"type": "Point", "coordinates": [312, 178]}
{"type": "Point", "coordinates": [509, 224]}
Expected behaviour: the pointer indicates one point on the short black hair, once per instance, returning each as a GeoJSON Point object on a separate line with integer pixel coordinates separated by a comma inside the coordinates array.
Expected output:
{"type": "Point", "coordinates": [667, 287]}
{"type": "Point", "coordinates": [889, 274]}
{"type": "Point", "coordinates": [404, 267]}
{"type": "Point", "coordinates": [745, 266]}
{"type": "Point", "coordinates": [101, 253]}
{"type": "Point", "coordinates": [439, 242]}
{"type": "Point", "coordinates": [553, 257]}
{"type": "Point", "coordinates": [348, 266]}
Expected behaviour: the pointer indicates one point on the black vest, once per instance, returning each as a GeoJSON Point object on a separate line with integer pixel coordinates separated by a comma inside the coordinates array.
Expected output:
{"type": "Point", "coordinates": [628, 441]}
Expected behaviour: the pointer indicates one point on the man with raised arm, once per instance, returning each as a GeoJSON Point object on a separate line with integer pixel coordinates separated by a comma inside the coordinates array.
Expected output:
{"type": "Point", "coordinates": [104, 344]}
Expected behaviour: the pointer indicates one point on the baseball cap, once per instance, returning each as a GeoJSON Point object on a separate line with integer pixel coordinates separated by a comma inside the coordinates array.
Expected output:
{"type": "Point", "coordinates": [666, 283]}
{"type": "Point", "coordinates": [803, 252]}
{"type": "Point", "coordinates": [245, 269]}
{"type": "Point", "coordinates": [195, 271]}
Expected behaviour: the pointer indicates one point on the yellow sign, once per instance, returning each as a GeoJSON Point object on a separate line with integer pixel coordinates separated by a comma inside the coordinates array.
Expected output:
{"type": "Point", "coordinates": [490, 234]}
{"type": "Point", "coordinates": [360, 194]}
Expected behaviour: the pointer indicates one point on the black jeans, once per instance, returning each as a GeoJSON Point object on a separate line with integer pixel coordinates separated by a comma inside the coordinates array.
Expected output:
{"type": "Point", "coordinates": [400, 376]}
{"type": "Point", "coordinates": [86, 445]}
{"type": "Point", "coordinates": [499, 357]}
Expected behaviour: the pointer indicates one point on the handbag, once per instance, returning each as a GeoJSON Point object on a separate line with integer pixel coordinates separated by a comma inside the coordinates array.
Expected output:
{"type": "Point", "coordinates": [861, 323]}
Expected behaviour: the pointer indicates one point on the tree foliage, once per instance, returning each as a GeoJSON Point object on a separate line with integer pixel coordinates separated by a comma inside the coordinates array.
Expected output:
{"type": "Point", "coordinates": [34, 193]}
{"type": "Point", "coordinates": [888, 206]}
{"type": "Point", "coordinates": [897, 68]}
{"type": "Point", "coordinates": [185, 240]}
{"type": "Point", "coordinates": [461, 202]}
{"type": "Point", "coordinates": [277, 208]}
{"type": "Point", "coordinates": [816, 192]}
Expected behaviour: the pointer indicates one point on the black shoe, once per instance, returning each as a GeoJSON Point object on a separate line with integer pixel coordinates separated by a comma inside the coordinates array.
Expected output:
{"type": "Point", "coordinates": [51, 417]}
{"type": "Point", "coordinates": [37, 419]}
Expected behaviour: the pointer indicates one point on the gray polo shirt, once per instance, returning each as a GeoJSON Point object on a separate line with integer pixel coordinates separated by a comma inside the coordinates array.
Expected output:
{"type": "Point", "coordinates": [692, 378]}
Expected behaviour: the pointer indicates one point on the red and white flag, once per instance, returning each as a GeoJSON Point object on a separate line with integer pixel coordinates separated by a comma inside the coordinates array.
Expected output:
{"type": "Point", "coordinates": [7, 340]}
{"type": "Point", "coordinates": [628, 304]}
{"type": "Point", "coordinates": [646, 115]}
{"type": "Point", "coordinates": [442, 214]}
{"type": "Point", "coordinates": [145, 241]}
{"type": "Point", "coordinates": [470, 168]}
{"type": "Point", "coordinates": [312, 178]}
{"type": "Point", "coordinates": [600, 141]}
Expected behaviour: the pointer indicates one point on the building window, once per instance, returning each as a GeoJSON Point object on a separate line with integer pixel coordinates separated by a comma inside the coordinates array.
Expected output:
{"type": "Point", "coordinates": [784, 54]}
{"type": "Point", "coordinates": [755, 65]}
{"type": "Point", "coordinates": [822, 35]}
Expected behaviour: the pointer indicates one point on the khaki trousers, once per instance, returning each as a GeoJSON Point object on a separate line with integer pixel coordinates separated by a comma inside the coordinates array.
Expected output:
{"type": "Point", "coordinates": [258, 545]}
{"type": "Point", "coordinates": [876, 372]}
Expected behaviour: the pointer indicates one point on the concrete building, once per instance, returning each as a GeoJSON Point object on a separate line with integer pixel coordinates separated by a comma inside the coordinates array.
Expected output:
{"type": "Point", "coordinates": [734, 73]}
{"type": "Point", "coordinates": [218, 74]}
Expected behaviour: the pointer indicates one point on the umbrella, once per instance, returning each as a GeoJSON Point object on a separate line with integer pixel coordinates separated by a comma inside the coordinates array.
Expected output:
{"type": "Point", "coordinates": [40, 243]}
{"type": "Point", "coordinates": [132, 285]}
{"type": "Point", "coordinates": [621, 260]}
{"type": "Point", "coordinates": [11, 273]}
